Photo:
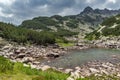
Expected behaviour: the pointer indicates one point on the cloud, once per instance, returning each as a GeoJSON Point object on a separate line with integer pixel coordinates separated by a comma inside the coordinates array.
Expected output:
{"type": "Point", "coordinates": [15, 11]}
{"type": "Point", "coordinates": [6, 2]}
{"type": "Point", "coordinates": [112, 1]}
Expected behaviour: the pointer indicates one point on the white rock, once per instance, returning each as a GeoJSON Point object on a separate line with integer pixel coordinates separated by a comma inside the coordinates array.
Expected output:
{"type": "Point", "coordinates": [93, 70]}
{"type": "Point", "coordinates": [69, 78]}
{"type": "Point", "coordinates": [105, 66]}
{"type": "Point", "coordinates": [118, 74]}
{"type": "Point", "coordinates": [33, 66]}
{"type": "Point", "coordinates": [26, 65]}
{"type": "Point", "coordinates": [75, 74]}
{"type": "Point", "coordinates": [82, 77]}
{"type": "Point", "coordinates": [77, 68]}
{"type": "Point", "coordinates": [105, 72]}
{"type": "Point", "coordinates": [68, 70]}
{"type": "Point", "coordinates": [45, 67]}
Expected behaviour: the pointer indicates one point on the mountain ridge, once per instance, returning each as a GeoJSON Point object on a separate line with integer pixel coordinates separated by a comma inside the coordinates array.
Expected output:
{"type": "Point", "coordinates": [83, 22]}
{"type": "Point", "coordinates": [108, 28]}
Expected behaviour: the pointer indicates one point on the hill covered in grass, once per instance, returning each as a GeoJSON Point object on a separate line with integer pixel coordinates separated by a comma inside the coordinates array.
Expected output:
{"type": "Point", "coordinates": [23, 35]}
{"type": "Point", "coordinates": [17, 71]}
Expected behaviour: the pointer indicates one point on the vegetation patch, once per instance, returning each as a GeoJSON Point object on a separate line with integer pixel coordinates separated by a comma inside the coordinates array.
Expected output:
{"type": "Point", "coordinates": [16, 71]}
{"type": "Point", "coordinates": [22, 35]}
{"type": "Point", "coordinates": [93, 35]}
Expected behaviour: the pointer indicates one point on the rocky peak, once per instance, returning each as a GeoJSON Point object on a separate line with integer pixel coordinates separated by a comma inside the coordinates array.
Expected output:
{"type": "Point", "coordinates": [105, 11]}
{"type": "Point", "coordinates": [87, 10]}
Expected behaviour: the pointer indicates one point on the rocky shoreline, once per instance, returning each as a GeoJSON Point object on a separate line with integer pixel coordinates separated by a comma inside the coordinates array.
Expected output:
{"type": "Point", "coordinates": [32, 55]}
{"type": "Point", "coordinates": [96, 68]}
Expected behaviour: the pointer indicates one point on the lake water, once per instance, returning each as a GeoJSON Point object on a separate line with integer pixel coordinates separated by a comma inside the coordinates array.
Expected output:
{"type": "Point", "coordinates": [77, 58]}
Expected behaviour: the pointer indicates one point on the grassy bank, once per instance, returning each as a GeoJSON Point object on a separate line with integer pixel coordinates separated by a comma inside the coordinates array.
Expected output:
{"type": "Point", "coordinates": [16, 71]}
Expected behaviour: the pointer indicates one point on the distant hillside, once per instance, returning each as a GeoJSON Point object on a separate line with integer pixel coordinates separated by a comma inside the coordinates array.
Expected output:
{"type": "Point", "coordinates": [56, 23]}
{"type": "Point", "coordinates": [84, 22]}
{"type": "Point", "coordinates": [109, 27]}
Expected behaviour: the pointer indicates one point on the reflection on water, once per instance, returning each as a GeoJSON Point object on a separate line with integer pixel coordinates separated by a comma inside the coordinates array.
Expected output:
{"type": "Point", "coordinates": [76, 58]}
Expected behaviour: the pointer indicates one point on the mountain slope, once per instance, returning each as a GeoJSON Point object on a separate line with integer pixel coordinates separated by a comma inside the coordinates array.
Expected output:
{"type": "Point", "coordinates": [85, 22]}
{"type": "Point", "coordinates": [94, 17]}
{"type": "Point", "coordinates": [109, 27]}
{"type": "Point", "coordinates": [55, 23]}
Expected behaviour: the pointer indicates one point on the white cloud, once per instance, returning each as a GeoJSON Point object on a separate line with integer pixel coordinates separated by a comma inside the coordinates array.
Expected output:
{"type": "Point", "coordinates": [7, 2]}
{"type": "Point", "coordinates": [111, 1]}
{"type": "Point", "coordinates": [18, 10]}
{"type": "Point", "coordinates": [67, 11]}
{"type": "Point", "coordinates": [5, 15]}
{"type": "Point", "coordinates": [89, 1]}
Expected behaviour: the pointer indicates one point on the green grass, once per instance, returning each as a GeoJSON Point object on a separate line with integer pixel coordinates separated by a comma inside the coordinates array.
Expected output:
{"type": "Point", "coordinates": [16, 71]}
{"type": "Point", "coordinates": [63, 43]}
{"type": "Point", "coordinates": [66, 44]}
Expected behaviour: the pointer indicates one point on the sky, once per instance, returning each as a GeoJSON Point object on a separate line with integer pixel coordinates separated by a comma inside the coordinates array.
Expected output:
{"type": "Point", "coordinates": [15, 11]}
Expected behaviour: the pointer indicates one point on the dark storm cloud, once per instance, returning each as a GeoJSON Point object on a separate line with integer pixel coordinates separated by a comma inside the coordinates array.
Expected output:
{"type": "Point", "coordinates": [19, 10]}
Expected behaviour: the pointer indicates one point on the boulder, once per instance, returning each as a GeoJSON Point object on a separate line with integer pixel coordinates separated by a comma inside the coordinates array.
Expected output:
{"type": "Point", "coordinates": [75, 74]}
{"type": "Point", "coordinates": [25, 65]}
{"type": "Point", "coordinates": [104, 72]}
{"type": "Point", "coordinates": [7, 47]}
{"type": "Point", "coordinates": [68, 70]}
{"type": "Point", "coordinates": [53, 55]}
{"type": "Point", "coordinates": [26, 61]}
{"type": "Point", "coordinates": [93, 70]}
{"type": "Point", "coordinates": [70, 78]}
{"type": "Point", "coordinates": [36, 62]}
{"type": "Point", "coordinates": [33, 66]}
{"type": "Point", "coordinates": [45, 67]}
{"type": "Point", "coordinates": [22, 55]}
{"type": "Point", "coordinates": [17, 51]}
{"type": "Point", "coordinates": [77, 68]}
{"type": "Point", "coordinates": [118, 75]}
